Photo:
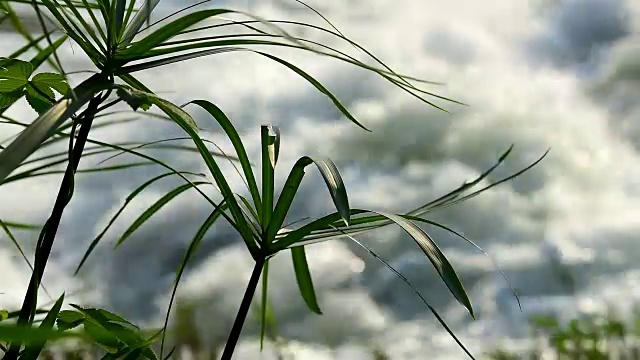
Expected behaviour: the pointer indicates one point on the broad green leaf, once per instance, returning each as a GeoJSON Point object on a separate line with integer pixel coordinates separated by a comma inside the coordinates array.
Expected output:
{"type": "Point", "coordinates": [33, 351]}
{"type": "Point", "coordinates": [103, 316]}
{"type": "Point", "coordinates": [30, 335]}
{"type": "Point", "coordinates": [303, 277]}
{"type": "Point", "coordinates": [45, 125]}
{"type": "Point", "coordinates": [48, 81]}
{"type": "Point", "coordinates": [14, 74]}
{"type": "Point", "coordinates": [101, 336]}
{"type": "Point", "coordinates": [40, 99]}
{"type": "Point", "coordinates": [147, 214]}
{"type": "Point", "coordinates": [69, 319]}
{"type": "Point", "coordinates": [9, 98]}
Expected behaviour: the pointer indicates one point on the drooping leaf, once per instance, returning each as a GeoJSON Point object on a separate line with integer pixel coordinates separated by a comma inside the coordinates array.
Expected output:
{"type": "Point", "coordinates": [238, 146]}
{"type": "Point", "coordinates": [147, 214]}
{"type": "Point", "coordinates": [303, 277]}
{"type": "Point", "coordinates": [332, 179]}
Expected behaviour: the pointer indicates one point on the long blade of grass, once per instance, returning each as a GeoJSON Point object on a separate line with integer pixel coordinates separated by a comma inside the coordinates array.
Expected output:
{"type": "Point", "coordinates": [268, 187]}
{"type": "Point", "coordinates": [128, 200]}
{"type": "Point", "coordinates": [415, 290]}
{"type": "Point", "coordinates": [33, 351]}
{"type": "Point", "coordinates": [238, 146]}
{"type": "Point", "coordinates": [187, 123]}
{"type": "Point", "coordinates": [193, 245]}
{"type": "Point", "coordinates": [303, 277]}
{"type": "Point", "coordinates": [147, 214]}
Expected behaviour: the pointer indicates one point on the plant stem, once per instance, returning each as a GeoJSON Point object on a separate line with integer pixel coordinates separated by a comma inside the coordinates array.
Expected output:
{"type": "Point", "coordinates": [47, 236]}
{"type": "Point", "coordinates": [234, 335]}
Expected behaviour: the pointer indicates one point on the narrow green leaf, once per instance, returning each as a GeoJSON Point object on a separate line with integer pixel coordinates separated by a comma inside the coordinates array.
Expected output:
{"type": "Point", "coordinates": [264, 302]}
{"type": "Point", "coordinates": [141, 17]}
{"type": "Point", "coordinates": [33, 351]}
{"type": "Point", "coordinates": [186, 122]}
{"type": "Point", "coordinates": [166, 32]}
{"type": "Point", "coordinates": [437, 258]}
{"type": "Point", "coordinates": [268, 172]}
{"type": "Point", "coordinates": [147, 214]}
{"type": "Point", "coordinates": [332, 179]}
{"type": "Point", "coordinates": [303, 277]}
{"type": "Point", "coordinates": [238, 146]}
{"type": "Point", "coordinates": [120, 9]}
{"type": "Point", "coordinates": [415, 290]}
{"type": "Point", "coordinates": [193, 246]}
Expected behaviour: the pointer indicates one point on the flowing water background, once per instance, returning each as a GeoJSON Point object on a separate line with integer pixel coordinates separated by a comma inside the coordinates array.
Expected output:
{"type": "Point", "coordinates": [563, 74]}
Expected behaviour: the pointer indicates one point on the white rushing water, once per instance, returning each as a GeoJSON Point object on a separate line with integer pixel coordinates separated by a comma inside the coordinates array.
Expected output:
{"type": "Point", "coordinates": [563, 74]}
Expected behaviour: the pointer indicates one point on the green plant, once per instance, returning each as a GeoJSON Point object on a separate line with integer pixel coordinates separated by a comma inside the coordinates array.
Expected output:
{"type": "Point", "coordinates": [592, 337]}
{"type": "Point", "coordinates": [110, 33]}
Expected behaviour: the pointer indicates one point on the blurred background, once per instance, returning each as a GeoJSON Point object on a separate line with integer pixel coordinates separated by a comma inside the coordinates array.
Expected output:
{"type": "Point", "coordinates": [563, 74]}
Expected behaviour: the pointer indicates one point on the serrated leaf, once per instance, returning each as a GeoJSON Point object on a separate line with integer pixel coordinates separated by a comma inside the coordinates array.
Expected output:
{"type": "Point", "coordinates": [101, 336]}
{"type": "Point", "coordinates": [69, 319]}
{"type": "Point", "coordinates": [39, 103]}
{"type": "Point", "coordinates": [9, 98]}
{"type": "Point", "coordinates": [14, 74]}
{"type": "Point", "coordinates": [53, 81]}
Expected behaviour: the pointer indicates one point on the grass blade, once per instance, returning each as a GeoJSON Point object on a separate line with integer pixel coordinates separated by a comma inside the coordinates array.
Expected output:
{"type": "Point", "coordinates": [33, 351]}
{"type": "Point", "coordinates": [268, 172]}
{"type": "Point", "coordinates": [195, 242]}
{"type": "Point", "coordinates": [303, 277]}
{"type": "Point", "coordinates": [129, 198]}
{"type": "Point", "coordinates": [238, 146]}
{"type": "Point", "coordinates": [147, 214]}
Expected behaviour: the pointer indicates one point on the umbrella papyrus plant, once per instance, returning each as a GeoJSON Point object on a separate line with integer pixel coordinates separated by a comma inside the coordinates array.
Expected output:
{"type": "Point", "coordinates": [120, 40]}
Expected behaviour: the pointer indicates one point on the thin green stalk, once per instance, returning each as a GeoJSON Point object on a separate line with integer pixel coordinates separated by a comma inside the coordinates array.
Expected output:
{"type": "Point", "coordinates": [234, 335]}
{"type": "Point", "coordinates": [50, 229]}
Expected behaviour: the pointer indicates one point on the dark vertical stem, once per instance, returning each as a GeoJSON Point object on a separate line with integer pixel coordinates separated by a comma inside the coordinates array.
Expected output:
{"type": "Point", "coordinates": [48, 234]}
{"type": "Point", "coordinates": [234, 335]}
